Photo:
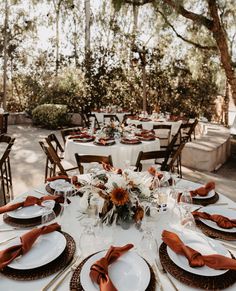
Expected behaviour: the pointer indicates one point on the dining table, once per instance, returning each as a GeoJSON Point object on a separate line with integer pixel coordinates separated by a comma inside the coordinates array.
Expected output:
{"type": "Point", "coordinates": [121, 153]}
{"type": "Point", "coordinates": [148, 124]}
{"type": "Point", "coordinates": [72, 224]}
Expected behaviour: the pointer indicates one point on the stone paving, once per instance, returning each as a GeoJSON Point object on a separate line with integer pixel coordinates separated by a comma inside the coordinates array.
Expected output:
{"type": "Point", "coordinates": [28, 162]}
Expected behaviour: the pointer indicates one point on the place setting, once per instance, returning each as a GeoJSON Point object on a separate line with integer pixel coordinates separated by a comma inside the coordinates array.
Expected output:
{"type": "Point", "coordinates": [27, 257]}
{"type": "Point", "coordinates": [196, 260]}
{"type": "Point", "coordinates": [218, 222]}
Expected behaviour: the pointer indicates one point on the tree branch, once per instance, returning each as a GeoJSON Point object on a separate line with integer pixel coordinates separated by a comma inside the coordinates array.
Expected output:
{"type": "Point", "coordinates": [182, 37]}
{"type": "Point", "coordinates": [200, 19]}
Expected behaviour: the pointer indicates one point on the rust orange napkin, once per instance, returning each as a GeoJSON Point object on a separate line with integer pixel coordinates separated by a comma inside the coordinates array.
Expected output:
{"type": "Point", "coordinates": [29, 201]}
{"type": "Point", "coordinates": [220, 220]}
{"type": "Point", "coordinates": [54, 178]}
{"type": "Point", "coordinates": [154, 173]}
{"type": "Point", "coordinates": [110, 168]}
{"type": "Point", "coordinates": [99, 270]}
{"type": "Point", "coordinates": [195, 258]}
{"type": "Point", "coordinates": [27, 240]}
{"type": "Point", "coordinates": [204, 190]}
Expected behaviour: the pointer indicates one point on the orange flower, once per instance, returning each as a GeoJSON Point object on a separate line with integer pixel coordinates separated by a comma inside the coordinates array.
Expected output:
{"type": "Point", "coordinates": [119, 196]}
{"type": "Point", "coordinates": [139, 213]}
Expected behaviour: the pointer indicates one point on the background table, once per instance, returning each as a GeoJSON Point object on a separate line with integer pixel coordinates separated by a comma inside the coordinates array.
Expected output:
{"type": "Point", "coordinates": [120, 152]}
{"type": "Point", "coordinates": [149, 124]}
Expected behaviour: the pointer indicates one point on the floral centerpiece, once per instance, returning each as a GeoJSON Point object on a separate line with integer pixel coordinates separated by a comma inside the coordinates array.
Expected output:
{"type": "Point", "coordinates": [124, 197]}
{"type": "Point", "coordinates": [109, 130]}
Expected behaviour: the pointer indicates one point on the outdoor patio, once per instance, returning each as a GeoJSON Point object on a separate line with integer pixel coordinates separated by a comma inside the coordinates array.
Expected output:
{"type": "Point", "coordinates": [28, 163]}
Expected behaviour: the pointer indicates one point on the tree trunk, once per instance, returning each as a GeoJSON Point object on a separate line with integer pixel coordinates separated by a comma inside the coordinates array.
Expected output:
{"type": "Point", "coordinates": [87, 39]}
{"type": "Point", "coordinates": [222, 44]}
{"type": "Point", "coordinates": [5, 33]}
{"type": "Point", "coordinates": [57, 40]}
{"type": "Point", "coordinates": [135, 24]}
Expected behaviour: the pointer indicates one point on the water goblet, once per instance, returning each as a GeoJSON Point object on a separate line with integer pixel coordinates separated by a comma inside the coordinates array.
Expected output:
{"type": "Point", "coordinates": [87, 239]}
{"type": "Point", "coordinates": [48, 212]}
{"type": "Point", "coordinates": [148, 246]}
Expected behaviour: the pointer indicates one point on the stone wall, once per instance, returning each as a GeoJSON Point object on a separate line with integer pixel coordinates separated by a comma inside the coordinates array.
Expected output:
{"type": "Point", "coordinates": [19, 118]}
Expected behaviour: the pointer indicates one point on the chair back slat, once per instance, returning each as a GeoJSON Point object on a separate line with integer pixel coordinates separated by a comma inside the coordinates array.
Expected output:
{"type": "Point", "coordinates": [82, 159]}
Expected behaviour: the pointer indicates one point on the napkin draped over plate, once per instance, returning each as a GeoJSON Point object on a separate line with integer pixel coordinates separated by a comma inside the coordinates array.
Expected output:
{"type": "Point", "coordinates": [29, 201]}
{"type": "Point", "coordinates": [27, 240]}
{"type": "Point", "coordinates": [220, 220]}
{"type": "Point", "coordinates": [195, 258]}
{"type": "Point", "coordinates": [154, 173]}
{"type": "Point", "coordinates": [204, 190]}
{"type": "Point", "coordinates": [99, 270]}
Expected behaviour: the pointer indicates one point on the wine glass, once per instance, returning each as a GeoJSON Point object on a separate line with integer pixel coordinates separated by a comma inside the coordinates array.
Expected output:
{"type": "Point", "coordinates": [148, 246]}
{"type": "Point", "coordinates": [87, 239]}
{"type": "Point", "coordinates": [48, 212]}
{"type": "Point", "coordinates": [185, 202]}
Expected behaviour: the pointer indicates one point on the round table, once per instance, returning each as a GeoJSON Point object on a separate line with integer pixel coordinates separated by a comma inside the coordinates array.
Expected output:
{"type": "Point", "coordinates": [149, 124]}
{"type": "Point", "coordinates": [119, 152]}
{"type": "Point", "coordinates": [116, 234]}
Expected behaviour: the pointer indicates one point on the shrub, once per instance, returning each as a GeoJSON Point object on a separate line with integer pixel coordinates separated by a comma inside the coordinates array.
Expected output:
{"type": "Point", "coordinates": [51, 116]}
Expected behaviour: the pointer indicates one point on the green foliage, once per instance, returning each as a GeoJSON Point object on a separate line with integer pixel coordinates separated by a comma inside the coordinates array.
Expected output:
{"type": "Point", "coordinates": [51, 116]}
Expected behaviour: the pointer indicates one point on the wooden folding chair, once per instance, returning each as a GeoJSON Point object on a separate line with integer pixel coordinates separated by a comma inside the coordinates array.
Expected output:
{"type": "Point", "coordinates": [69, 131]}
{"type": "Point", "coordinates": [6, 167]}
{"type": "Point", "coordinates": [91, 116]}
{"type": "Point", "coordinates": [82, 159]}
{"type": "Point", "coordinates": [187, 129]}
{"type": "Point", "coordinates": [53, 162]}
{"type": "Point", "coordinates": [163, 131]}
{"type": "Point", "coordinates": [111, 117]}
{"type": "Point", "coordinates": [152, 155]}
{"type": "Point", "coordinates": [53, 141]}
{"type": "Point", "coordinates": [4, 190]}
{"type": "Point", "coordinates": [175, 160]}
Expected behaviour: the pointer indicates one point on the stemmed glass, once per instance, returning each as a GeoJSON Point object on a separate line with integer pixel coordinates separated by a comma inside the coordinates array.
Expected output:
{"type": "Point", "coordinates": [48, 212]}
{"type": "Point", "coordinates": [185, 202]}
{"type": "Point", "coordinates": [148, 246]}
{"type": "Point", "coordinates": [87, 239]}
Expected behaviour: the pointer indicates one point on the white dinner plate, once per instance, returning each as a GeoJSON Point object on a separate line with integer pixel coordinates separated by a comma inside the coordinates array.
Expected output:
{"type": "Point", "coordinates": [129, 273]}
{"type": "Point", "coordinates": [205, 246]}
{"type": "Point", "coordinates": [222, 210]}
{"type": "Point", "coordinates": [45, 249]}
{"type": "Point", "coordinates": [27, 212]}
{"type": "Point", "coordinates": [209, 195]}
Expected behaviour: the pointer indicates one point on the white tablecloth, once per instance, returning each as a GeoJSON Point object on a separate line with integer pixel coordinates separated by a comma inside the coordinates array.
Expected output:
{"type": "Point", "coordinates": [120, 152]}
{"type": "Point", "coordinates": [117, 236]}
{"type": "Point", "coordinates": [100, 115]}
{"type": "Point", "coordinates": [149, 124]}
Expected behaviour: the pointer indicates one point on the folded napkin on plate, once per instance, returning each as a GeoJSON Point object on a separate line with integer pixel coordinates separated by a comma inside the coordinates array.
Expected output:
{"type": "Point", "coordinates": [195, 258]}
{"type": "Point", "coordinates": [204, 190]}
{"type": "Point", "coordinates": [99, 270]}
{"type": "Point", "coordinates": [154, 173]}
{"type": "Point", "coordinates": [29, 201]}
{"type": "Point", "coordinates": [27, 240]}
{"type": "Point", "coordinates": [220, 220]}
{"type": "Point", "coordinates": [110, 168]}
{"type": "Point", "coordinates": [54, 178]}
{"type": "Point", "coordinates": [133, 140]}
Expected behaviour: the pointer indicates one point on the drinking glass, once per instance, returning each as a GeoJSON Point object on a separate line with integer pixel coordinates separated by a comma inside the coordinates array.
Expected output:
{"type": "Point", "coordinates": [148, 246]}
{"type": "Point", "coordinates": [185, 202]}
{"type": "Point", "coordinates": [48, 212]}
{"type": "Point", "coordinates": [87, 239]}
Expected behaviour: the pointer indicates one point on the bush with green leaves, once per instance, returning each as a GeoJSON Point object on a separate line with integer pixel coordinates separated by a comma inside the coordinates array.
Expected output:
{"type": "Point", "coordinates": [51, 116]}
